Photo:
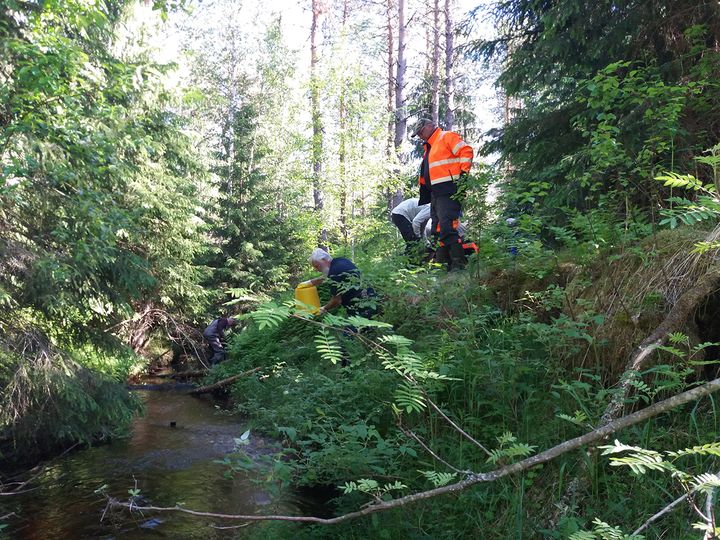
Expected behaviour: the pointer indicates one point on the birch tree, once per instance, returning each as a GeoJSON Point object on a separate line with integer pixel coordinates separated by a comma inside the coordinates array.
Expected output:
{"type": "Point", "coordinates": [318, 9]}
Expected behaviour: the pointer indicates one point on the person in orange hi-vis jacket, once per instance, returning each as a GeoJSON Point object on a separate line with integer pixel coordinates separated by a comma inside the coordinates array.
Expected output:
{"type": "Point", "coordinates": [447, 158]}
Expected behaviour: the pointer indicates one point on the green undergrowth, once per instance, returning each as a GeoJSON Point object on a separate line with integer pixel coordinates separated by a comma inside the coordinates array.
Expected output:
{"type": "Point", "coordinates": [519, 369]}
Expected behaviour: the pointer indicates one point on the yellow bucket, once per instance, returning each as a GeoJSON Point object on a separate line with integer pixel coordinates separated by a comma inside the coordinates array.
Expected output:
{"type": "Point", "coordinates": [307, 299]}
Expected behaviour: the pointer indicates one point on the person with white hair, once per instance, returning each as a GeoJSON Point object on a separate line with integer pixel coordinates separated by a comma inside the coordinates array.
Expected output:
{"type": "Point", "coordinates": [345, 287]}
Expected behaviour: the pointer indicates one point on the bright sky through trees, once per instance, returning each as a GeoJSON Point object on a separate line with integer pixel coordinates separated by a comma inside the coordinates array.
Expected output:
{"type": "Point", "coordinates": [167, 39]}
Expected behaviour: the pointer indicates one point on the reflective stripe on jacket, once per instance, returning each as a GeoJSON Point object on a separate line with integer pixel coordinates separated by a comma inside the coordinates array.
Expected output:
{"type": "Point", "coordinates": [449, 155]}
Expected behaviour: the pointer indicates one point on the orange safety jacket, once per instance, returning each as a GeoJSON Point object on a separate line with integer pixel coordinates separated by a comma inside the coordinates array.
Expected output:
{"type": "Point", "coordinates": [447, 156]}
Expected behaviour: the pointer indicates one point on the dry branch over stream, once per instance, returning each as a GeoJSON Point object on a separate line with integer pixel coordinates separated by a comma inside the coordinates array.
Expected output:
{"type": "Point", "coordinates": [591, 437]}
{"type": "Point", "coordinates": [222, 383]}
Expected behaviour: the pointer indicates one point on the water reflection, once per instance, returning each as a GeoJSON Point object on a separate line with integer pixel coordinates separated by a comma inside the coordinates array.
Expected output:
{"type": "Point", "coordinates": [168, 464]}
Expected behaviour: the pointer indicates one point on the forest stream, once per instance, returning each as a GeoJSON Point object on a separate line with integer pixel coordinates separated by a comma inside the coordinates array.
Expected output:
{"type": "Point", "coordinates": [169, 464]}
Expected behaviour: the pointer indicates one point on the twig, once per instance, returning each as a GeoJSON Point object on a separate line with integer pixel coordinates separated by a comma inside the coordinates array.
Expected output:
{"type": "Point", "coordinates": [229, 526]}
{"type": "Point", "coordinates": [710, 514]}
{"type": "Point", "coordinates": [662, 512]}
{"type": "Point", "coordinates": [458, 428]}
{"type": "Point", "coordinates": [10, 494]}
{"type": "Point", "coordinates": [412, 435]}
{"type": "Point", "coordinates": [476, 478]}
{"type": "Point", "coordinates": [17, 490]}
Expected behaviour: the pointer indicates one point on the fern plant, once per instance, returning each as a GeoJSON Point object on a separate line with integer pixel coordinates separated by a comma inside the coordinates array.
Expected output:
{"type": "Point", "coordinates": [372, 488]}
{"type": "Point", "coordinates": [328, 346]}
{"type": "Point", "coordinates": [509, 449]}
{"type": "Point", "coordinates": [641, 460]}
{"type": "Point", "coordinates": [603, 531]}
{"type": "Point", "coordinates": [438, 479]}
{"type": "Point", "coordinates": [707, 203]}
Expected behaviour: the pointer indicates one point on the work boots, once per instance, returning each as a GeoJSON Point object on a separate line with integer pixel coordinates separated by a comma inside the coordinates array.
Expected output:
{"type": "Point", "coordinates": [442, 256]}
{"type": "Point", "coordinates": [457, 256]}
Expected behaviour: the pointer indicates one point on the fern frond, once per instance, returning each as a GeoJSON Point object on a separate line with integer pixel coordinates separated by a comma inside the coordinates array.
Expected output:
{"type": "Point", "coordinates": [362, 322]}
{"type": "Point", "coordinates": [640, 463]}
{"type": "Point", "coordinates": [675, 180]}
{"type": "Point", "coordinates": [521, 450]}
{"type": "Point", "coordinates": [409, 397]}
{"type": "Point", "coordinates": [396, 339]}
{"type": "Point", "coordinates": [270, 315]}
{"type": "Point", "coordinates": [604, 531]}
{"type": "Point", "coordinates": [327, 346]}
{"type": "Point", "coordinates": [710, 449]}
{"type": "Point", "coordinates": [506, 438]}
{"type": "Point", "coordinates": [706, 482]}
{"type": "Point", "coordinates": [438, 479]}
{"type": "Point", "coordinates": [580, 418]}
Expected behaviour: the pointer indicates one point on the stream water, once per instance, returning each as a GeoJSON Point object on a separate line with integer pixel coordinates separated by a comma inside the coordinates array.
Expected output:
{"type": "Point", "coordinates": [168, 465]}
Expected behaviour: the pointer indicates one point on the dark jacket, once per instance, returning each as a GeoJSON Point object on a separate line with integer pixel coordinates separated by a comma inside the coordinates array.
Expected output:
{"type": "Point", "coordinates": [344, 279]}
{"type": "Point", "coordinates": [217, 328]}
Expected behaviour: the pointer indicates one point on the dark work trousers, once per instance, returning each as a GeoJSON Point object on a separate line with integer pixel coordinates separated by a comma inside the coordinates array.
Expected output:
{"type": "Point", "coordinates": [445, 214]}
{"type": "Point", "coordinates": [406, 231]}
{"type": "Point", "coordinates": [217, 349]}
{"type": "Point", "coordinates": [404, 226]}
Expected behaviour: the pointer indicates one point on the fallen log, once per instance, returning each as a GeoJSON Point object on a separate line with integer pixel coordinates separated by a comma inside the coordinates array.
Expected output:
{"type": "Point", "coordinates": [222, 383]}
{"type": "Point", "coordinates": [189, 374]}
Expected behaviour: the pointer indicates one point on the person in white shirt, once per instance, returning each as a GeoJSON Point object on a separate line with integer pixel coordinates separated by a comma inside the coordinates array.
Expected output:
{"type": "Point", "coordinates": [410, 218]}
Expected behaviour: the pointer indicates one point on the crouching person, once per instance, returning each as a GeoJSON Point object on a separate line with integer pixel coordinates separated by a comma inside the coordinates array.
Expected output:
{"type": "Point", "coordinates": [345, 287]}
{"type": "Point", "coordinates": [214, 334]}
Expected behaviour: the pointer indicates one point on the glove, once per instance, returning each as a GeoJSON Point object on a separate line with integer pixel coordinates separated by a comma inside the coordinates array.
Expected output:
{"type": "Point", "coordinates": [323, 311]}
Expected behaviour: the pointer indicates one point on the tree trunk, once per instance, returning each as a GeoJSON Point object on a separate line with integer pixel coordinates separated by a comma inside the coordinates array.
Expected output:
{"type": "Point", "coordinates": [436, 63]}
{"type": "Point", "coordinates": [399, 91]}
{"type": "Point", "coordinates": [400, 114]}
{"type": "Point", "coordinates": [449, 80]}
{"type": "Point", "coordinates": [391, 112]}
{"type": "Point", "coordinates": [342, 148]}
{"type": "Point", "coordinates": [317, 140]}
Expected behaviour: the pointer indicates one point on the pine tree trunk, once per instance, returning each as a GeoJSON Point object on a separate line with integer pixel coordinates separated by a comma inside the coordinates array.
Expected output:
{"type": "Point", "coordinates": [449, 80]}
{"type": "Point", "coordinates": [391, 122]}
{"type": "Point", "coordinates": [436, 63]}
{"type": "Point", "coordinates": [400, 115]}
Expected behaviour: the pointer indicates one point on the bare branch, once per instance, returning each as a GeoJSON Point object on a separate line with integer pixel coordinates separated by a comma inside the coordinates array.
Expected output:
{"type": "Point", "coordinates": [222, 383]}
{"type": "Point", "coordinates": [458, 428]}
{"type": "Point", "coordinates": [662, 512]}
{"type": "Point", "coordinates": [429, 450]}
